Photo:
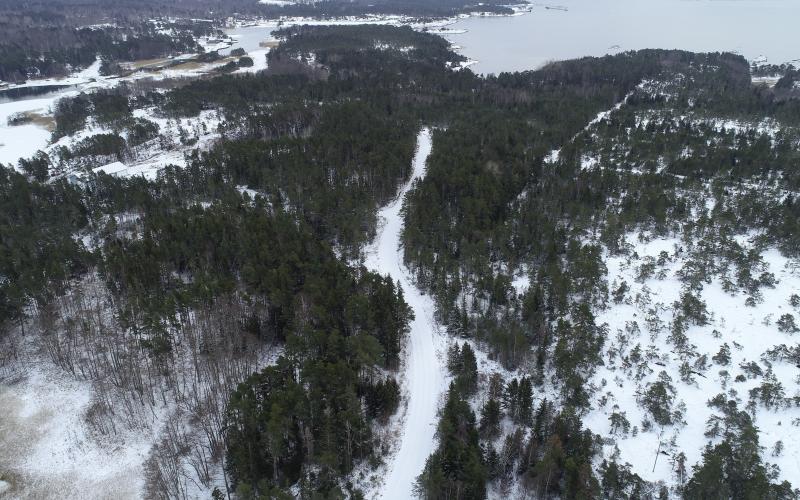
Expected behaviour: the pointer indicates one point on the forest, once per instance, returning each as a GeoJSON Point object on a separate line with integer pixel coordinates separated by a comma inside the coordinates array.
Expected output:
{"type": "Point", "coordinates": [50, 50]}
{"type": "Point", "coordinates": [52, 38]}
{"type": "Point", "coordinates": [246, 265]}
{"type": "Point", "coordinates": [525, 188]}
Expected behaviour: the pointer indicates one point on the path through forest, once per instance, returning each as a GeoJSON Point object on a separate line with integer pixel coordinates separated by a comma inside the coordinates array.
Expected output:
{"type": "Point", "coordinates": [423, 371]}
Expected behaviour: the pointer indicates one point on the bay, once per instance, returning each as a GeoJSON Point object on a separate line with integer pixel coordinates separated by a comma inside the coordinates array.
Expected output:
{"type": "Point", "coordinates": [764, 30]}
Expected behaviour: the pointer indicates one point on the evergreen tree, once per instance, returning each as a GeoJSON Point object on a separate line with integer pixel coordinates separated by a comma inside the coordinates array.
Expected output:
{"type": "Point", "coordinates": [456, 469]}
{"type": "Point", "coordinates": [490, 420]}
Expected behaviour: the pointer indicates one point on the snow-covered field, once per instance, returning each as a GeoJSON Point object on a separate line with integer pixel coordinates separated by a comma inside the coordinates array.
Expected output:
{"type": "Point", "coordinates": [146, 160]}
{"type": "Point", "coordinates": [424, 374]}
{"type": "Point", "coordinates": [22, 141]}
{"type": "Point", "coordinates": [167, 149]}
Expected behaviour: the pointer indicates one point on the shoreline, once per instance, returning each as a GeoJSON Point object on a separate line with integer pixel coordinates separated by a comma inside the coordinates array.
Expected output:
{"type": "Point", "coordinates": [436, 26]}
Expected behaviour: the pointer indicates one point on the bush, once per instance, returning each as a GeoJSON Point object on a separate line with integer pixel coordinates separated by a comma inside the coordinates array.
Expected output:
{"type": "Point", "coordinates": [786, 324]}
{"type": "Point", "coordinates": [658, 398]}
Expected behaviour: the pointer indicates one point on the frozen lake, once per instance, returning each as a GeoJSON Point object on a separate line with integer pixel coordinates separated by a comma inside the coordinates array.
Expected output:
{"type": "Point", "coordinates": [753, 28]}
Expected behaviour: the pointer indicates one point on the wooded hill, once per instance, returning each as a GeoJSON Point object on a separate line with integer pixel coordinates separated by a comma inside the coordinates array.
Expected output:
{"type": "Point", "coordinates": [325, 140]}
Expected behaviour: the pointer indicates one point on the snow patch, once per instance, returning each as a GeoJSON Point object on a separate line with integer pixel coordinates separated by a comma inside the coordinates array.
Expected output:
{"type": "Point", "coordinates": [48, 448]}
{"type": "Point", "coordinates": [110, 169]}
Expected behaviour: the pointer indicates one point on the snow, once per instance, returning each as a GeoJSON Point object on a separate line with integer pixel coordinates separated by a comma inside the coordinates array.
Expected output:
{"type": "Point", "coordinates": [423, 371]}
{"type": "Point", "coordinates": [588, 162]}
{"type": "Point", "coordinates": [49, 450]}
{"type": "Point", "coordinates": [149, 159]}
{"type": "Point", "coordinates": [279, 3]}
{"type": "Point", "coordinates": [769, 80]}
{"type": "Point", "coordinates": [259, 58]}
{"type": "Point", "coordinates": [110, 169]}
{"type": "Point", "coordinates": [749, 331]}
{"type": "Point", "coordinates": [252, 193]}
{"type": "Point", "coordinates": [521, 282]}
{"type": "Point", "coordinates": [203, 128]}
{"type": "Point", "coordinates": [604, 115]}
{"type": "Point", "coordinates": [463, 64]}
{"type": "Point", "coordinates": [58, 443]}
{"type": "Point", "coordinates": [720, 125]}
{"type": "Point", "coordinates": [766, 126]}
{"type": "Point", "coordinates": [86, 75]}
{"type": "Point", "coordinates": [213, 43]}
{"type": "Point", "coordinates": [23, 141]}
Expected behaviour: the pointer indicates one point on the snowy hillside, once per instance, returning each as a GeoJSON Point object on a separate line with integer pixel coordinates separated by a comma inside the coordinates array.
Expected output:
{"type": "Point", "coordinates": [627, 319]}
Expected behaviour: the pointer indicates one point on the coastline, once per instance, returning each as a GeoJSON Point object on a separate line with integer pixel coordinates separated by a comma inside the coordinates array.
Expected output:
{"type": "Point", "coordinates": [150, 68]}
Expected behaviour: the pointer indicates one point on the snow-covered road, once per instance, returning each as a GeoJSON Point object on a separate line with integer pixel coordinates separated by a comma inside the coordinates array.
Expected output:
{"type": "Point", "coordinates": [423, 371]}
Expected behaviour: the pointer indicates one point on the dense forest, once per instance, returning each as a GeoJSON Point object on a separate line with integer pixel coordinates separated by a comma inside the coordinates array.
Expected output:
{"type": "Point", "coordinates": [261, 236]}
{"type": "Point", "coordinates": [342, 327]}
{"type": "Point", "coordinates": [294, 345]}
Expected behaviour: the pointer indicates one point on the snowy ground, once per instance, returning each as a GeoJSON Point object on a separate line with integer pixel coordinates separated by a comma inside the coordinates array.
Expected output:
{"type": "Point", "coordinates": [203, 129]}
{"type": "Point", "coordinates": [638, 349]}
{"type": "Point", "coordinates": [424, 374]}
{"type": "Point", "coordinates": [23, 141]}
{"type": "Point", "coordinates": [48, 450]}
{"type": "Point", "coordinates": [78, 430]}
{"type": "Point", "coordinates": [147, 159]}
{"type": "Point", "coordinates": [749, 331]}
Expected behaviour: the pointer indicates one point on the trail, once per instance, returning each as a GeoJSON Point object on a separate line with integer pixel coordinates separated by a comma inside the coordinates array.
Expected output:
{"type": "Point", "coordinates": [423, 371]}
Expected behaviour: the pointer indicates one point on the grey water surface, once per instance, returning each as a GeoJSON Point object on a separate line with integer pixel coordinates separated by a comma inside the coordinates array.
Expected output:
{"type": "Point", "coordinates": [757, 29]}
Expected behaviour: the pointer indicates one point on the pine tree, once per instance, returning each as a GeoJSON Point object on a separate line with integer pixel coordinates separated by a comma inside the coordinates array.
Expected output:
{"type": "Point", "coordinates": [490, 420]}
